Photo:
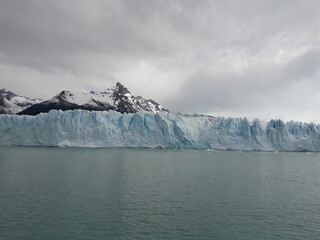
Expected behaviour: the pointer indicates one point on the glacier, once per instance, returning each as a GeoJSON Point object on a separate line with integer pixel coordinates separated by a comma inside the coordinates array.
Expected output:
{"type": "Point", "coordinates": [81, 128]}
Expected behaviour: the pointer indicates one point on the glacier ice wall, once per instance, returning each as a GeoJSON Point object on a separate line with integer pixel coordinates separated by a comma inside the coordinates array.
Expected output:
{"type": "Point", "coordinates": [112, 129]}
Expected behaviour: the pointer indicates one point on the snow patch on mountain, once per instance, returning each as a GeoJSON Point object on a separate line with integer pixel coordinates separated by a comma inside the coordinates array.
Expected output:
{"type": "Point", "coordinates": [11, 103]}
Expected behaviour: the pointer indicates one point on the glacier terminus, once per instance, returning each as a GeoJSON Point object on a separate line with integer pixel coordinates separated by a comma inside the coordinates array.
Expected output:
{"type": "Point", "coordinates": [82, 128]}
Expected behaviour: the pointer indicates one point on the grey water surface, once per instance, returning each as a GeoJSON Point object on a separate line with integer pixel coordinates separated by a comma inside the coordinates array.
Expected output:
{"type": "Point", "coordinates": [81, 193]}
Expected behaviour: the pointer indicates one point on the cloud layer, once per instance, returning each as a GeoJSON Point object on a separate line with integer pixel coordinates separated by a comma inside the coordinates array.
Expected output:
{"type": "Point", "coordinates": [239, 58]}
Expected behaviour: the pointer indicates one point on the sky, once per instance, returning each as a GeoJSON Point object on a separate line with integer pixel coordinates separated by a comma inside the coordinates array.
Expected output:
{"type": "Point", "coordinates": [238, 58]}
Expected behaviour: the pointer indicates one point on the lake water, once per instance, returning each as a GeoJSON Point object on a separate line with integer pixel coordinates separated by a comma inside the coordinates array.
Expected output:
{"type": "Point", "coordinates": [74, 193]}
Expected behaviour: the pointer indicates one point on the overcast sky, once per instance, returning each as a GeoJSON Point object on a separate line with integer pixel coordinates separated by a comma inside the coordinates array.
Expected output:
{"type": "Point", "coordinates": [224, 58]}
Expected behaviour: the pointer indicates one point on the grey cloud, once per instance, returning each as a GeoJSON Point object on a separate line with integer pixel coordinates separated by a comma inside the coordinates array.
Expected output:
{"type": "Point", "coordinates": [42, 34]}
{"type": "Point", "coordinates": [203, 51]}
{"type": "Point", "coordinates": [65, 34]}
{"type": "Point", "coordinates": [255, 89]}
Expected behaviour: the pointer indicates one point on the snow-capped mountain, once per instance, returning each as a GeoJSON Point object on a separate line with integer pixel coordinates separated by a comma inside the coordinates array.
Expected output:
{"type": "Point", "coordinates": [11, 103]}
{"type": "Point", "coordinates": [117, 98]}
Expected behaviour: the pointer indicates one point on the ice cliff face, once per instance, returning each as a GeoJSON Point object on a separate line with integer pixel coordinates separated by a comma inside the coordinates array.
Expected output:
{"type": "Point", "coordinates": [161, 130]}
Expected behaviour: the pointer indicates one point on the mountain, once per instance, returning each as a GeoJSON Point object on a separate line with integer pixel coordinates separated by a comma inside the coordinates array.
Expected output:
{"type": "Point", "coordinates": [117, 98]}
{"type": "Point", "coordinates": [161, 130]}
{"type": "Point", "coordinates": [11, 103]}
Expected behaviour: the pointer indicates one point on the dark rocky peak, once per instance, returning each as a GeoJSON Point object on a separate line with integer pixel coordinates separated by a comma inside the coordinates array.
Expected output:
{"type": "Point", "coordinates": [63, 95]}
{"type": "Point", "coordinates": [3, 90]}
{"type": "Point", "coordinates": [4, 93]}
{"type": "Point", "coordinates": [120, 89]}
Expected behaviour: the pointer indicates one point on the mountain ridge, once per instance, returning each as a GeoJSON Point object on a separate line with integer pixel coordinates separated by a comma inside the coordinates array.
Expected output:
{"type": "Point", "coordinates": [117, 98]}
